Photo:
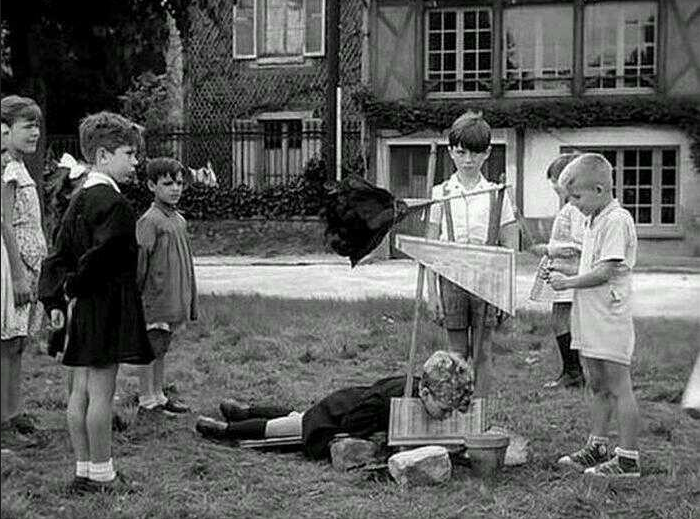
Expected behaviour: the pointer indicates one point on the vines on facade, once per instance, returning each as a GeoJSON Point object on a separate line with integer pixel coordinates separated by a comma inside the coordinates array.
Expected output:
{"type": "Point", "coordinates": [410, 116]}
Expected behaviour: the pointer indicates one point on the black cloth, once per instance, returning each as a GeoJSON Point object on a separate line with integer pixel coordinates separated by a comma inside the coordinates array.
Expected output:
{"type": "Point", "coordinates": [94, 259]}
{"type": "Point", "coordinates": [359, 411]}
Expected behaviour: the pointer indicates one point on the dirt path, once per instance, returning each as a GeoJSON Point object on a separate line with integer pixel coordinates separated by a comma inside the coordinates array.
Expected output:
{"type": "Point", "coordinates": [667, 294]}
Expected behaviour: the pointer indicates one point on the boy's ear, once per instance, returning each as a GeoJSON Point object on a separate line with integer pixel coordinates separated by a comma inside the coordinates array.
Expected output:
{"type": "Point", "coordinates": [151, 185]}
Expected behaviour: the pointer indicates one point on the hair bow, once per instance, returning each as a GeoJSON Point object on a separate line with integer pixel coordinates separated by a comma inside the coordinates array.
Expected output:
{"type": "Point", "coordinates": [75, 167]}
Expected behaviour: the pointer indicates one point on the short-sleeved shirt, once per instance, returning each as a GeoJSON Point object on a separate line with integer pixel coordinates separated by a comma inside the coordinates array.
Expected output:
{"type": "Point", "coordinates": [601, 317]}
{"type": "Point", "coordinates": [470, 215]}
{"type": "Point", "coordinates": [165, 269]}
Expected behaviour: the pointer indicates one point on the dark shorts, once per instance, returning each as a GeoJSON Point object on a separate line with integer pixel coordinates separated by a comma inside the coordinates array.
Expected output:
{"type": "Point", "coordinates": [13, 347]}
{"type": "Point", "coordinates": [160, 341]}
{"type": "Point", "coordinates": [460, 307]}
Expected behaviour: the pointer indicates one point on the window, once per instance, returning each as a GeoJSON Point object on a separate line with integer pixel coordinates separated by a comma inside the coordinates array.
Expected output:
{"type": "Point", "coordinates": [458, 50]}
{"type": "Point", "coordinates": [620, 45]}
{"type": "Point", "coordinates": [278, 28]}
{"type": "Point", "coordinates": [538, 50]}
{"type": "Point", "coordinates": [282, 159]}
{"type": "Point", "coordinates": [646, 183]}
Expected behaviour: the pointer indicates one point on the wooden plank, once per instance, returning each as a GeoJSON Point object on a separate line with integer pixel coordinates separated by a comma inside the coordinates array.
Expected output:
{"type": "Point", "coordinates": [486, 271]}
{"type": "Point", "coordinates": [282, 441]}
{"type": "Point", "coordinates": [412, 425]}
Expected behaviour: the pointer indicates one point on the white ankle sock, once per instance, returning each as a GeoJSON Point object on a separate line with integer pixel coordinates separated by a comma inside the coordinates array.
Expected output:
{"type": "Point", "coordinates": [82, 469]}
{"type": "Point", "coordinates": [102, 472]}
{"type": "Point", "coordinates": [598, 439]}
{"type": "Point", "coordinates": [148, 401]}
{"type": "Point", "coordinates": [633, 455]}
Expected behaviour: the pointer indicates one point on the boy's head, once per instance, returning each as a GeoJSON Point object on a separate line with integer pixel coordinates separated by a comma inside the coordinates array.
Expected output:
{"type": "Point", "coordinates": [588, 182]}
{"type": "Point", "coordinates": [110, 141]}
{"type": "Point", "coordinates": [555, 169]}
{"type": "Point", "coordinates": [447, 383]}
{"type": "Point", "coordinates": [23, 119]}
{"type": "Point", "coordinates": [469, 142]}
{"type": "Point", "coordinates": [165, 179]}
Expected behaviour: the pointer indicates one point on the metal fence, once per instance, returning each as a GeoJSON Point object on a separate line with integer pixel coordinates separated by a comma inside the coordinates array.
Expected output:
{"type": "Point", "coordinates": [258, 153]}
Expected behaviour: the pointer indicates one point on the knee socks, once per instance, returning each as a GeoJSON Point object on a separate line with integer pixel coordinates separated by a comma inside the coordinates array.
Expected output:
{"type": "Point", "coordinates": [569, 358]}
{"type": "Point", "coordinates": [251, 429]}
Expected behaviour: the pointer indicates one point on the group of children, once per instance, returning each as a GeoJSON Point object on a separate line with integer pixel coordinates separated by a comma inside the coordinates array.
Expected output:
{"type": "Point", "coordinates": [115, 289]}
{"type": "Point", "coordinates": [120, 288]}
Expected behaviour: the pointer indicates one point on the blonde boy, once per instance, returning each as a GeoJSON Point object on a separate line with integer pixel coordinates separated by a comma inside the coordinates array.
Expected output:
{"type": "Point", "coordinates": [601, 320]}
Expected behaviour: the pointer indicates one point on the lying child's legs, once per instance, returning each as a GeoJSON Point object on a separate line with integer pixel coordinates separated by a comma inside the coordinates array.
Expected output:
{"type": "Point", "coordinates": [75, 414]}
{"type": "Point", "coordinates": [289, 425]}
{"type": "Point", "coordinates": [101, 383]}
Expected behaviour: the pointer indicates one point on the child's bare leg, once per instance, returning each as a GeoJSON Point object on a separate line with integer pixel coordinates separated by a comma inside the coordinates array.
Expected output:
{"type": "Point", "coordinates": [601, 399]}
{"type": "Point", "coordinates": [159, 378]}
{"type": "Point", "coordinates": [458, 341]}
{"type": "Point", "coordinates": [101, 383]}
{"type": "Point", "coordinates": [147, 393]}
{"type": "Point", "coordinates": [5, 379]}
{"type": "Point", "coordinates": [620, 383]}
{"type": "Point", "coordinates": [11, 377]}
{"type": "Point", "coordinates": [76, 413]}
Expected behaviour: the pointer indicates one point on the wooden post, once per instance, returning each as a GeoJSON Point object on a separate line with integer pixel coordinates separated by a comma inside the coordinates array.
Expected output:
{"type": "Point", "coordinates": [333, 41]}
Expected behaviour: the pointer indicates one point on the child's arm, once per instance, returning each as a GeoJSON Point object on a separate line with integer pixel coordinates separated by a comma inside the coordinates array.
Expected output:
{"type": "Point", "coordinates": [146, 239]}
{"type": "Point", "coordinates": [19, 281]}
{"type": "Point", "coordinates": [600, 274]}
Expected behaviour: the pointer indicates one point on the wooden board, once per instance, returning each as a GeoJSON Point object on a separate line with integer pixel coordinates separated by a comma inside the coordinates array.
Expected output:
{"type": "Point", "coordinates": [484, 270]}
{"type": "Point", "coordinates": [411, 425]}
{"type": "Point", "coordinates": [282, 441]}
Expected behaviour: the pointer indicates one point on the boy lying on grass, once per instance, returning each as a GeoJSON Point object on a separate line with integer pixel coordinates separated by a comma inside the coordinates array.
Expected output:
{"type": "Point", "coordinates": [446, 384]}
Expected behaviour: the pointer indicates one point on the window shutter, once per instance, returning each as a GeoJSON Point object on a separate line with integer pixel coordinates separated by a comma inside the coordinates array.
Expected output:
{"type": "Point", "coordinates": [314, 27]}
{"type": "Point", "coordinates": [247, 151]}
{"type": "Point", "coordinates": [244, 29]}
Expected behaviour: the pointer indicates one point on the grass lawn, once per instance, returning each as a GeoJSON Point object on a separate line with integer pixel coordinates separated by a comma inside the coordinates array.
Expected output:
{"type": "Point", "coordinates": [295, 352]}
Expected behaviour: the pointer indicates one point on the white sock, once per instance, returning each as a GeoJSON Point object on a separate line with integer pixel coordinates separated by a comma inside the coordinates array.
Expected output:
{"type": "Point", "coordinates": [102, 472]}
{"type": "Point", "coordinates": [148, 401]}
{"type": "Point", "coordinates": [82, 469]}
{"type": "Point", "coordinates": [633, 455]}
{"type": "Point", "coordinates": [161, 399]}
{"type": "Point", "coordinates": [598, 439]}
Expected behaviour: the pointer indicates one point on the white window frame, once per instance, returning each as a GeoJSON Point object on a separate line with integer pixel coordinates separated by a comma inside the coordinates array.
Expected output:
{"type": "Point", "coordinates": [538, 79]}
{"type": "Point", "coordinates": [655, 229]}
{"type": "Point", "coordinates": [257, 33]}
{"type": "Point", "coordinates": [459, 44]}
{"type": "Point", "coordinates": [620, 87]}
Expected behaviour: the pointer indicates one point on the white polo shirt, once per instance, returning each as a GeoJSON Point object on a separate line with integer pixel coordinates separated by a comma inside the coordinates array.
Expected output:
{"type": "Point", "coordinates": [470, 215]}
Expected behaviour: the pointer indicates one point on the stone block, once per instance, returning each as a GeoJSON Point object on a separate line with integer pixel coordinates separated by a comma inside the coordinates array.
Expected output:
{"type": "Point", "coordinates": [423, 466]}
{"type": "Point", "coordinates": [349, 453]}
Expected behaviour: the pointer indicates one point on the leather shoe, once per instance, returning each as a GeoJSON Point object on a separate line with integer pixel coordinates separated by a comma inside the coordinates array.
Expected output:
{"type": "Point", "coordinates": [234, 411]}
{"type": "Point", "coordinates": [210, 428]}
{"type": "Point", "coordinates": [566, 380]}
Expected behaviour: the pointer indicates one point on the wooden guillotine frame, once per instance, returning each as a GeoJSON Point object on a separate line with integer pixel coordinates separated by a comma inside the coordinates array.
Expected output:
{"type": "Point", "coordinates": [486, 271]}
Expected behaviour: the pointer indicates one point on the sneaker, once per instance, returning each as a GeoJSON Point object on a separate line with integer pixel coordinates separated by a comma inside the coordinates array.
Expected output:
{"type": "Point", "coordinates": [566, 380]}
{"type": "Point", "coordinates": [119, 485]}
{"type": "Point", "coordinates": [23, 423]}
{"type": "Point", "coordinates": [79, 485]}
{"type": "Point", "coordinates": [175, 406]}
{"type": "Point", "coordinates": [590, 455]}
{"type": "Point", "coordinates": [210, 428]}
{"type": "Point", "coordinates": [617, 467]}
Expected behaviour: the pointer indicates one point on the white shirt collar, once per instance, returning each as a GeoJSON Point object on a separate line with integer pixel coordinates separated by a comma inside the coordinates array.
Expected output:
{"type": "Point", "coordinates": [455, 184]}
{"type": "Point", "coordinates": [95, 177]}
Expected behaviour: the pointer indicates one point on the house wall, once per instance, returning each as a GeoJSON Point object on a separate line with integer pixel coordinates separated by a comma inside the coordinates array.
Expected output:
{"type": "Point", "coordinates": [682, 56]}
{"type": "Point", "coordinates": [540, 203]}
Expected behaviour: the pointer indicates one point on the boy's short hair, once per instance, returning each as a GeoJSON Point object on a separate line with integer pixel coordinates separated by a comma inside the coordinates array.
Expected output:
{"type": "Point", "coordinates": [557, 166]}
{"type": "Point", "coordinates": [449, 378]}
{"type": "Point", "coordinates": [588, 170]}
{"type": "Point", "coordinates": [471, 132]}
{"type": "Point", "coordinates": [13, 108]}
{"type": "Point", "coordinates": [161, 167]}
{"type": "Point", "coordinates": [107, 130]}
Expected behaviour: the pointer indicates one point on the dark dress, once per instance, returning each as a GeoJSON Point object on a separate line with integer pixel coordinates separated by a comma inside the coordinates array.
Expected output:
{"type": "Point", "coordinates": [359, 411]}
{"type": "Point", "coordinates": [95, 258]}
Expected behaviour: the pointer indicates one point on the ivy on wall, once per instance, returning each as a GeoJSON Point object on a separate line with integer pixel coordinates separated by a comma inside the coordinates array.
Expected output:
{"type": "Point", "coordinates": [409, 116]}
